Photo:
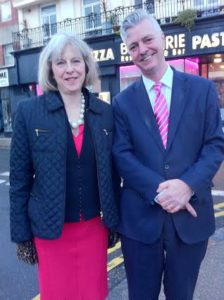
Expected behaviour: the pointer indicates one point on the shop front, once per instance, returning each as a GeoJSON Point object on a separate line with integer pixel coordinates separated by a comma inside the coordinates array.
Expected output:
{"type": "Point", "coordinates": [5, 109]}
{"type": "Point", "coordinates": [11, 93]}
{"type": "Point", "coordinates": [199, 52]}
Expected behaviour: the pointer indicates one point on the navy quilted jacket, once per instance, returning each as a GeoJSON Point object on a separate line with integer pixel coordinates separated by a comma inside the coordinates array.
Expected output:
{"type": "Point", "coordinates": [38, 166]}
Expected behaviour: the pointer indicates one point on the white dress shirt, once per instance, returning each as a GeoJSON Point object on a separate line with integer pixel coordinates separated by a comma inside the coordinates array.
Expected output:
{"type": "Point", "coordinates": [167, 83]}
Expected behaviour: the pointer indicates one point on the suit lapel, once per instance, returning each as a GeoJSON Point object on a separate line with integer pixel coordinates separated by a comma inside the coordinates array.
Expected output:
{"type": "Point", "coordinates": [178, 102]}
{"type": "Point", "coordinates": [142, 103]}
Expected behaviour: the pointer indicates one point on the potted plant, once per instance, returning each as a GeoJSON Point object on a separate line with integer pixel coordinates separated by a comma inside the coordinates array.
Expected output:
{"type": "Point", "coordinates": [187, 18]}
{"type": "Point", "coordinates": [114, 20]}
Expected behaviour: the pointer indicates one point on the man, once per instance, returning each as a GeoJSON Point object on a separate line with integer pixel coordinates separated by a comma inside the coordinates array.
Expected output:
{"type": "Point", "coordinates": [168, 143]}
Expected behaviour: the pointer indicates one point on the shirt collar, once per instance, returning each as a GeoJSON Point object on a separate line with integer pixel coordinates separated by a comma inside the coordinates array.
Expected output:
{"type": "Point", "coordinates": [166, 80]}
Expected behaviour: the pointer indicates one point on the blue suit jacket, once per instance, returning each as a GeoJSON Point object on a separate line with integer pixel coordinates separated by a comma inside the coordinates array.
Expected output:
{"type": "Point", "coordinates": [194, 152]}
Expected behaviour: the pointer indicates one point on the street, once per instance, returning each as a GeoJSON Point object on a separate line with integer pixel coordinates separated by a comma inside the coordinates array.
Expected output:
{"type": "Point", "coordinates": [18, 281]}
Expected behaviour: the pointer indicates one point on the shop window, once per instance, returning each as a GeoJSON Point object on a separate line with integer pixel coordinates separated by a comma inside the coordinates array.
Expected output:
{"type": "Point", "coordinates": [177, 64]}
{"type": "Point", "coordinates": [204, 70]}
{"type": "Point", "coordinates": [216, 74]}
{"type": "Point", "coordinates": [187, 65]}
{"type": "Point", "coordinates": [191, 66]}
{"type": "Point", "coordinates": [105, 96]}
{"type": "Point", "coordinates": [128, 75]}
{"type": "Point", "coordinates": [39, 91]}
{"type": "Point", "coordinates": [8, 57]}
{"type": "Point", "coordinates": [1, 118]}
{"type": "Point", "coordinates": [215, 71]}
{"type": "Point", "coordinates": [6, 110]}
{"type": "Point", "coordinates": [5, 11]}
{"type": "Point", "coordinates": [220, 89]}
{"type": "Point", "coordinates": [219, 83]}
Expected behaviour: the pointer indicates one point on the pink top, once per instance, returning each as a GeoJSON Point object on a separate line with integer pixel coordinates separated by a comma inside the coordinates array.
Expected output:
{"type": "Point", "coordinates": [78, 140]}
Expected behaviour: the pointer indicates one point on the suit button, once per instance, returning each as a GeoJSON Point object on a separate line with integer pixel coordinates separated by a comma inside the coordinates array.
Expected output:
{"type": "Point", "coordinates": [166, 167]}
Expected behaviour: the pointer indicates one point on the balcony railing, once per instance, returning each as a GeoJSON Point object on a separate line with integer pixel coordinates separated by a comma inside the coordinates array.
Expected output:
{"type": "Point", "coordinates": [108, 22]}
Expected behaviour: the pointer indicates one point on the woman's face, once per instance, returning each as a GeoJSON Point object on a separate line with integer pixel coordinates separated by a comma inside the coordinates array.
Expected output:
{"type": "Point", "coordinates": [69, 71]}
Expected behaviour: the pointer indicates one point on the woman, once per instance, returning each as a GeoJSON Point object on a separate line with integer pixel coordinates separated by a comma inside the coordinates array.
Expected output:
{"type": "Point", "coordinates": [61, 186]}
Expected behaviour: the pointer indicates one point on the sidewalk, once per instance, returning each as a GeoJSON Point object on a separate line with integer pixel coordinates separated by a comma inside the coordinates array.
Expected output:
{"type": "Point", "coordinates": [211, 278]}
{"type": "Point", "coordinates": [5, 142]}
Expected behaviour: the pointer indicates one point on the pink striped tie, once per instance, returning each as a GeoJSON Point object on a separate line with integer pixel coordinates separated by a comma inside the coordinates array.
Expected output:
{"type": "Point", "coordinates": [161, 113]}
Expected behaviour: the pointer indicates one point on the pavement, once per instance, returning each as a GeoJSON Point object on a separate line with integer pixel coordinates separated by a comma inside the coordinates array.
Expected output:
{"type": "Point", "coordinates": [4, 142]}
{"type": "Point", "coordinates": [211, 277]}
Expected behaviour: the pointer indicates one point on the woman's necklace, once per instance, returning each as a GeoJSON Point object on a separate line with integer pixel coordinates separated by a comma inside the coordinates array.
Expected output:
{"type": "Point", "coordinates": [75, 123]}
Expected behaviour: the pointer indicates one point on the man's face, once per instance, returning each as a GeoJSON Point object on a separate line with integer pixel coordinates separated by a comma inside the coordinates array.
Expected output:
{"type": "Point", "coordinates": [146, 44]}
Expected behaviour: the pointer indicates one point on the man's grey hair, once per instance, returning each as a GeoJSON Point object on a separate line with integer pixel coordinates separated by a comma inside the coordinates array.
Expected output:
{"type": "Point", "coordinates": [134, 18]}
{"type": "Point", "coordinates": [54, 49]}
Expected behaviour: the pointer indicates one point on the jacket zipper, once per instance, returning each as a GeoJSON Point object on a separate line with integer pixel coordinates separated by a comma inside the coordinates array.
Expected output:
{"type": "Point", "coordinates": [65, 161]}
{"type": "Point", "coordinates": [105, 131]}
{"type": "Point", "coordinates": [39, 130]}
{"type": "Point", "coordinates": [97, 166]}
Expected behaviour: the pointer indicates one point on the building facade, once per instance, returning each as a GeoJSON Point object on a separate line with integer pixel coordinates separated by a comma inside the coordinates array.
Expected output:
{"type": "Point", "coordinates": [8, 24]}
{"type": "Point", "coordinates": [198, 50]}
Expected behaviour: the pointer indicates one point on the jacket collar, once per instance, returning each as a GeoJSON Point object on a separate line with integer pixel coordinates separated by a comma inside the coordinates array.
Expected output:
{"type": "Point", "coordinates": [93, 103]}
{"type": "Point", "coordinates": [55, 102]}
{"type": "Point", "coordinates": [144, 108]}
{"type": "Point", "coordinates": [178, 103]}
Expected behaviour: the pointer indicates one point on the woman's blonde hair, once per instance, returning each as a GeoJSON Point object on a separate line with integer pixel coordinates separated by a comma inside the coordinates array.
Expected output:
{"type": "Point", "coordinates": [54, 49]}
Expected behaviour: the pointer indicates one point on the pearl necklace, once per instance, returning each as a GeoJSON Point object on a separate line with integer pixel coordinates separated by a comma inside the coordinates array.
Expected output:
{"type": "Point", "coordinates": [75, 123]}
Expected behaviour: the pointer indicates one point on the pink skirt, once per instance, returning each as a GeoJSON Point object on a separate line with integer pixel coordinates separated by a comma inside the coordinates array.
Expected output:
{"type": "Point", "coordinates": [74, 267]}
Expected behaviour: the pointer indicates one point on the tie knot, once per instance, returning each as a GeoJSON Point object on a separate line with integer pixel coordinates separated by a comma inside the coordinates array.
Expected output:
{"type": "Point", "coordinates": [157, 87]}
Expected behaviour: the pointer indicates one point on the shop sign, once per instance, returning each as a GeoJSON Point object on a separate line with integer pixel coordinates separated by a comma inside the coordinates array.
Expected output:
{"type": "Point", "coordinates": [4, 78]}
{"type": "Point", "coordinates": [208, 41]}
{"type": "Point", "coordinates": [124, 56]}
{"type": "Point", "coordinates": [175, 44]}
{"type": "Point", "coordinates": [186, 44]}
{"type": "Point", "coordinates": [103, 54]}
